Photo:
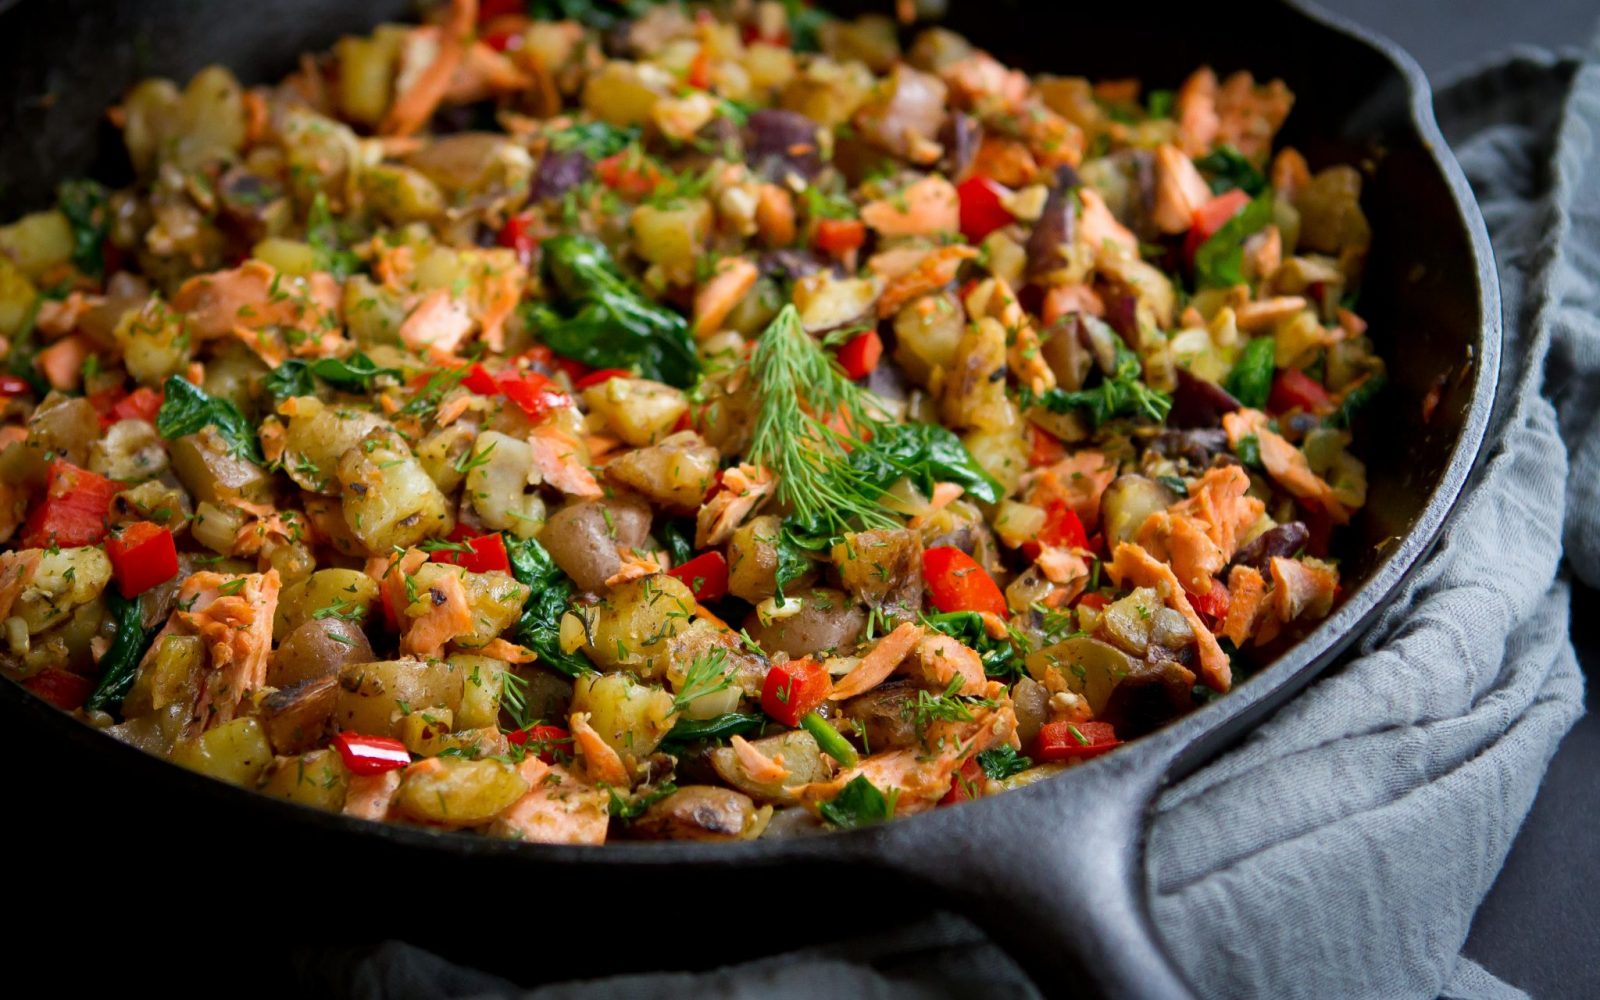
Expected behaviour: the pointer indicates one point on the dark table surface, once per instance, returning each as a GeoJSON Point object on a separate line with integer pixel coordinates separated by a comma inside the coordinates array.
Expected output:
{"type": "Point", "coordinates": [1540, 924]}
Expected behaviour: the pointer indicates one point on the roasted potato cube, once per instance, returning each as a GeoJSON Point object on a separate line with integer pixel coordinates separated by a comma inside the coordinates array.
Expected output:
{"type": "Point", "coordinates": [631, 717]}
{"type": "Point", "coordinates": [583, 537]}
{"type": "Point", "coordinates": [700, 812]}
{"type": "Point", "coordinates": [317, 778]}
{"type": "Point", "coordinates": [882, 569]}
{"type": "Point", "coordinates": [451, 791]}
{"type": "Point", "coordinates": [637, 410]}
{"type": "Point", "coordinates": [208, 468]}
{"type": "Point", "coordinates": [347, 594]}
{"type": "Point", "coordinates": [389, 501]}
{"type": "Point", "coordinates": [675, 474]}
{"type": "Point", "coordinates": [236, 752]}
{"type": "Point", "coordinates": [630, 628]}
{"type": "Point", "coordinates": [375, 697]}
{"type": "Point", "coordinates": [798, 753]}
{"type": "Point", "coordinates": [499, 485]}
{"type": "Point", "coordinates": [296, 717]}
{"type": "Point", "coordinates": [317, 648]}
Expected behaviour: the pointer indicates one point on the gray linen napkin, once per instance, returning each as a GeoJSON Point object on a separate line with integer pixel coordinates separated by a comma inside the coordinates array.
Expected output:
{"type": "Point", "coordinates": [1343, 849]}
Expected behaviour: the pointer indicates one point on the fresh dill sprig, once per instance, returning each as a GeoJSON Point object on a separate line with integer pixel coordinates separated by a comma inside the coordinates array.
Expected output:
{"type": "Point", "coordinates": [811, 417]}
{"type": "Point", "coordinates": [706, 675]}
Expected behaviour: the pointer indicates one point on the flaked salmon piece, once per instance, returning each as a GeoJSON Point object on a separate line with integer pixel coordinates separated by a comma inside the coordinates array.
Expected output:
{"type": "Point", "coordinates": [255, 296]}
{"type": "Point", "coordinates": [232, 615]}
{"type": "Point", "coordinates": [937, 660]}
{"type": "Point", "coordinates": [728, 285]}
{"type": "Point", "coordinates": [756, 764]}
{"type": "Point", "coordinates": [1246, 589]}
{"type": "Point", "coordinates": [1301, 587]}
{"type": "Point", "coordinates": [483, 74]}
{"type": "Point", "coordinates": [62, 362]}
{"type": "Point", "coordinates": [437, 326]}
{"type": "Point", "coordinates": [508, 652]}
{"type": "Point", "coordinates": [775, 219]}
{"type": "Point", "coordinates": [935, 270]}
{"type": "Point", "coordinates": [744, 488]}
{"type": "Point", "coordinates": [600, 761]}
{"type": "Point", "coordinates": [1290, 173]}
{"type": "Point", "coordinates": [274, 438]}
{"type": "Point", "coordinates": [1062, 566]}
{"type": "Point", "coordinates": [558, 808]}
{"type": "Point", "coordinates": [1131, 565]}
{"type": "Point", "coordinates": [896, 261]}
{"type": "Point", "coordinates": [498, 279]}
{"type": "Point", "coordinates": [982, 79]}
{"type": "Point", "coordinates": [1078, 480]}
{"type": "Point", "coordinates": [1099, 229]}
{"type": "Point", "coordinates": [878, 664]}
{"type": "Point", "coordinates": [635, 566]}
{"type": "Point", "coordinates": [448, 616]}
{"type": "Point", "coordinates": [1180, 190]}
{"type": "Point", "coordinates": [1264, 253]}
{"type": "Point", "coordinates": [1250, 114]}
{"type": "Point", "coordinates": [17, 570]}
{"type": "Point", "coordinates": [391, 572]}
{"type": "Point", "coordinates": [370, 795]}
{"type": "Point", "coordinates": [1285, 463]}
{"type": "Point", "coordinates": [559, 461]}
{"type": "Point", "coordinates": [429, 61]}
{"type": "Point", "coordinates": [1195, 108]}
{"type": "Point", "coordinates": [1199, 535]}
{"type": "Point", "coordinates": [994, 298]}
{"type": "Point", "coordinates": [59, 317]}
{"type": "Point", "coordinates": [918, 778]}
{"type": "Point", "coordinates": [1063, 300]}
{"type": "Point", "coordinates": [928, 207]}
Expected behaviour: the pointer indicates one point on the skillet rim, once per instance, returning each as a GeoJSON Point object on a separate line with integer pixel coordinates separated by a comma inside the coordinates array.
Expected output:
{"type": "Point", "coordinates": [1168, 749]}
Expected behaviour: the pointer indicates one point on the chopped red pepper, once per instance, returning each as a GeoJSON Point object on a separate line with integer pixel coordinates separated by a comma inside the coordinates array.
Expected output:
{"type": "Point", "coordinates": [628, 173]}
{"type": "Point", "coordinates": [1093, 600]}
{"type": "Point", "coordinates": [142, 403]}
{"type": "Point", "coordinates": [142, 556]}
{"type": "Point", "coordinates": [838, 237]}
{"type": "Point", "coordinates": [859, 357]}
{"type": "Point", "coordinates": [517, 235]}
{"type": "Point", "coordinates": [982, 211]}
{"type": "Point", "coordinates": [371, 754]}
{"type": "Point", "coordinates": [699, 76]}
{"type": "Point", "coordinates": [706, 574]}
{"type": "Point", "coordinates": [1295, 390]}
{"type": "Point", "coordinates": [549, 743]}
{"type": "Point", "coordinates": [957, 583]}
{"type": "Point", "coordinates": [14, 385]}
{"type": "Point", "coordinates": [1046, 449]}
{"type": "Point", "coordinates": [794, 689]}
{"type": "Point", "coordinates": [965, 786]}
{"type": "Point", "coordinates": [1213, 604]}
{"type": "Point", "coordinates": [486, 553]}
{"type": "Point", "coordinates": [599, 377]}
{"type": "Point", "coordinates": [1062, 527]}
{"type": "Point", "coordinates": [61, 688]}
{"type": "Point", "coordinates": [1074, 740]}
{"type": "Point", "coordinates": [73, 511]}
{"type": "Point", "coordinates": [1211, 216]}
{"type": "Point", "coordinates": [488, 10]}
{"type": "Point", "coordinates": [534, 391]}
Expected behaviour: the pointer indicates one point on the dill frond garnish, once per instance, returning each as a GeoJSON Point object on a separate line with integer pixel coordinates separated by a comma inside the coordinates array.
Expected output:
{"type": "Point", "coordinates": [811, 417]}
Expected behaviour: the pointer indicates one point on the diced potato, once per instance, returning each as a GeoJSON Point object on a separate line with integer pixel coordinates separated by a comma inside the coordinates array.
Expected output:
{"type": "Point", "coordinates": [321, 155]}
{"type": "Point", "coordinates": [624, 93]}
{"type": "Point", "coordinates": [1128, 501]}
{"type": "Point", "coordinates": [753, 560]}
{"type": "Point", "coordinates": [701, 646]}
{"type": "Point", "coordinates": [445, 452]}
{"type": "Point", "coordinates": [423, 731]}
{"type": "Point", "coordinates": [65, 579]}
{"type": "Point", "coordinates": [216, 527]}
{"type": "Point", "coordinates": [235, 752]}
{"type": "Point", "coordinates": [328, 593]}
{"type": "Point", "coordinates": [637, 410]}
{"type": "Point", "coordinates": [476, 165]}
{"type": "Point", "coordinates": [1091, 668]}
{"type": "Point", "coordinates": [827, 302]}
{"type": "Point", "coordinates": [1016, 523]}
{"type": "Point", "coordinates": [498, 484]}
{"type": "Point", "coordinates": [700, 812]}
{"type": "Point", "coordinates": [317, 649]}
{"type": "Point", "coordinates": [210, 124]}
{"type": "Point", "coordinates": [450, 791]}
{"type": "Point", "coordinates": [293, 257]}
{"type": "Point", "coordinates": [402, 194]}
{"type": "Point", "coordinates": [1003, 453]}
{"type": "Point", "coordinates": [16, 297]}
{"type": "Point", "coordinates": [317, 779]}
{"type": "Point", "coordinates": [131, 451]}
{"type": "Point", "coordinates": [374, 697]}
{"type": "Point", "coordinates": [631, 717]}
{"type": "Point", "coordinates": [207, 467]}
{"type": "Point", "coordinates": [235, 373]}
{"type": "Point", "coordinates": [389, 501]}
{"type": "Point", "coordinates": [366, 75]}
{"type": "Point", "coordinates": [801, 758]}
{"type": "Point", "coordinates": [38, 242]}
{"type": "Point", "coordinates": [768, 66]}
{"type": "Point", "coordinates": [155, 342]}
{"type": "Point", "coordinates": [372, 312]}
{"type": "Point", "coordinates": [630, 628]}
{"type": "Point", "coordinates": [675, 474]}
{"type": "Point", "coordinates": [871, 38]}
{"type": "Point", "coordinates": [63, 426]}
{"type": "Point", "coordinates": [672, 237]}
{"type": "Point", "coordinates": [828, 92]}
{"type": "Point", "coordinates": [483, 680]}
{"type": "Point", "coordinates": [296, 717]}
{"type": "Point", "coordinates": [882, 569]}
{"type": "Point", "coordinates": [149, 111]}
{"type": "Point", "coordinates": [495, 598]}
{"type": "Point", "coordinates": [318, 436]}
{"type": "Point", "coordinates": [828, 621]}
{"type": "Point", "coordinates": [168, 677]}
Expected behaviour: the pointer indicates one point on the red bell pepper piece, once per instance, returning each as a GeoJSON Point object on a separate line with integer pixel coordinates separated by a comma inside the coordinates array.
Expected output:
{"type": "Point", "coordinates": [964, 787]}
{"type": "Point", "coordinates": [795, 689]}
{"type": "Point", "coordinates": [487, 553]}
{"type": "Point", "coordinates": [534, 391]}
{"type": "Point", "coordinates": [1062, 527]}
{"type": "Point", "coordinates": [1295, 390]}
{"type": "Point", "coordinates": [517, 235]}
{"type": "Point", "coordinates": [488, 10]}
{"type": "Point", "coordinates": [1074, 740]}
{"type": "Point", "coordinates": [73, 511]}
{"type": "Point", "coordinates": [1093, 600]}
{"type": "Point", "coordinates": [141, 404]}
{"type": "Point", "coordinates": [699, 76]}
{"type": "Point", "coordinates": [957, 583]}
{"type": "Point", "coordinates": [142, 556]}
{"type": "Point", "coordinates": [706, 574]}
{"type": "Point", "coordinates": [549, 743]}
{"type": "Point", "coordinates": [1211, 216]}
{"type": "Point", "coordinates": [371, 754]}
{"type": "Point", "coordinates": [600, 377]}
{"type": "Point", "coordinates": [1213, 604]}
{"type": "Point", "coordinates": [1046, 448]}
{"type": "Point", "coordinates": [860, 356]}
{"type": "Point", "coordinates": [628, 173]}
{"type": "Point", "coordinates": [61, 688]}
{"type": "Point", "coordinates": [14, 385]}
{"type": "Point", "coordinates": [838, 237]}
{"type": "Point", "coordinates": [981, 209]}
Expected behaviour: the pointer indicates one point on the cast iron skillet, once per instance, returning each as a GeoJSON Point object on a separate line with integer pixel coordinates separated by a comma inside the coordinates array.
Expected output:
{"type": "Point", "coordinates": [1054, 871]}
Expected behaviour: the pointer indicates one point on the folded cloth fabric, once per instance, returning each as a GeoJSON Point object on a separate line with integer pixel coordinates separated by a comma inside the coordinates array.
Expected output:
{"type": "Point", "coordinates": [1342, 850]}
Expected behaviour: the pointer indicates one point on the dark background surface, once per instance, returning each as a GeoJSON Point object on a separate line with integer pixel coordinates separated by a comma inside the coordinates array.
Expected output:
{"type": "Point", "coordinates": [1540, 926]}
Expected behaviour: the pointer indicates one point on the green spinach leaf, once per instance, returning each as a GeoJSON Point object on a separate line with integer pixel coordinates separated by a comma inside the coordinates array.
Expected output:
{"type": "Point", "coordinates": [189, 409]}
{"type": "Point", "coordinates": [120, 664]}
{"type": "Point", "coordinates": [1122, 394]}
{"type": "Point", "coordinates": [925, 453]}
{"type": "Point", "coordinates": [1219, 261]}
{"type": "Point", "coordinates": [1250, 382]}
{"type": "Point", "coordinates": [1355, 400]}
{"type": "Point", "coordinates": [83, 202]}
{"type": "Point", "coordinates": [1228, 169]}
{"type": "Point", "coordinates": [539, 627]}
{"type": "Point", "coordinates": [1002, 762]}
{"type": "Point", "coordinates": [859, 804]}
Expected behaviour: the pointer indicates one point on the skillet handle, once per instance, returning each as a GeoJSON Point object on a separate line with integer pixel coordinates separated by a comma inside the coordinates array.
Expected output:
{"type": "Point", "coordinates": [1054, 874]}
